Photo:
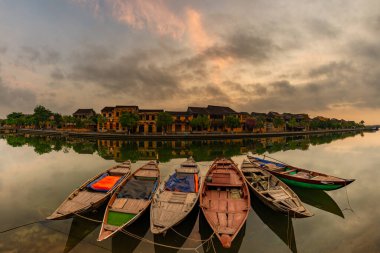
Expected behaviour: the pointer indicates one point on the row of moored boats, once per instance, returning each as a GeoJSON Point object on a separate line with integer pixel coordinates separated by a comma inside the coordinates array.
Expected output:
{"type": "Point", "coordinates": [223, 194]}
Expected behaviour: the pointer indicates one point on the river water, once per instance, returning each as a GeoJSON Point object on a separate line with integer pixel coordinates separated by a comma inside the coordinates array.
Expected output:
{"type": "Point", "coordinates": [37, 174]}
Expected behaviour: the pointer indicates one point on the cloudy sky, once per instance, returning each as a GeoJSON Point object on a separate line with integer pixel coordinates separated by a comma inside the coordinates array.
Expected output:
{"type": "Point", "coordinates": [319, 57]}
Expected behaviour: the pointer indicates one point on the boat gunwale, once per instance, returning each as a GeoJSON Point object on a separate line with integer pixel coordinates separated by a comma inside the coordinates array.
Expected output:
{"type": "Point", "coordinates": [157, 193]}
{"type": "Point", "coordinates": [114, 196]}
{"type": "Point", "coordinates": [94, 205]}
{"type": "Point", "coordinates": [269, 203]}
{"type": "Point", "coordinates": [248, 200]}
{"type": "Point", "coordinates": [336, 180]}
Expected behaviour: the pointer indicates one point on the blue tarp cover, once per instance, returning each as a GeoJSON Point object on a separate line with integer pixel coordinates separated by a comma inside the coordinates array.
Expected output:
{"type": "Point", "coordinates": [181, 183]}
{"type": "Point", "coordinates": [266, 162]}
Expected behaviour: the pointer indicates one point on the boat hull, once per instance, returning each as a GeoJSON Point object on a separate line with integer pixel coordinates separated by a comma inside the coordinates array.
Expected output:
{"type": "Point", "coordinates": [321, 186]}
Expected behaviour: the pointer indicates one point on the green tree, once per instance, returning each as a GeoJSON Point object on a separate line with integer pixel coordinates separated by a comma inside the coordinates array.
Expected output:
{"type": "Point", "coordinates": [292, 123]}
{"type": "Point", "coordinates": [15, 119]}
{"type": "Point", "coordinates": [361, 123]}
{"type": "Point", "coordinates": [200, 122]}
{"type": "Point", "coordinates": [58, 120]}
{"type": "Point", "coordinates": [164, 120]}
{"type": "Point", "coordinates": [128, 120]}
{"type": "Point", "coordinates": [278, 121]}
{"type": "Point", "coordinates": [41, 115]}
{"type": "Point", "coordinates": [260, 122]}
{"type": "Point", "coordinates": [232, 122]}
{"type": "Point", "coordinates": [101, 120]}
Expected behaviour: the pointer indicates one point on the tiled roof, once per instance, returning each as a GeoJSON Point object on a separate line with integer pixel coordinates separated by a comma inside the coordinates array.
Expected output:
{"type": "Point", "coordinates": [151, 110]}
{"type": "Point", "coordinates": [213, 109]}
{"type": "Point", "coordinates": [198, 110]}
{"type": "Point", "coordinates": [108, 109]}
{"type": "Point", "coordinates": [84, 111]}
{"type": "Point", "coordinates": [178, 113]}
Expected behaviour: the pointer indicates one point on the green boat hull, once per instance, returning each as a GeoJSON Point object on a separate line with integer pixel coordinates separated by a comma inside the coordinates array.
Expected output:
{"type": "Point", "coordinates": [325, 187]}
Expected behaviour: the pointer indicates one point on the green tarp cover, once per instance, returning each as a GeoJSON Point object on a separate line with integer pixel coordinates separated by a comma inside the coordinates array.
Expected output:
{"type": "Point", "coordinates": [118, 219]}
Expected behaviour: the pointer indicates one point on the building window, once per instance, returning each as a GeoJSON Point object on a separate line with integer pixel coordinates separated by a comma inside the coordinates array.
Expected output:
{"type": "Point", "coordinates": [109, 114]}
{"type": "Point", "coordinates": [153, 117]}
{"type": "Point", "coordinates": [117, 114]}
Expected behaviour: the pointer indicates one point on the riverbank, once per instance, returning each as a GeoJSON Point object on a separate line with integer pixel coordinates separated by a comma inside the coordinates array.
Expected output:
{"type": "Point", "coordinates": [178, 136]}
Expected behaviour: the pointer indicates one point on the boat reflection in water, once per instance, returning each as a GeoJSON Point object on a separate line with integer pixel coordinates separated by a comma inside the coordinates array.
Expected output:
{"type": "Point", "coordinates": [206, 231]}
{"type": "Point", "coordinates": [81, 228]}
{"type": "Point", "coordinates": [184, 231]}
{"type": "Point", "coordinates": [122, 243]}
{"type": "Point", "coordinates": [319, 199]}
{"type": "Point", "coordinates": [280, 224]}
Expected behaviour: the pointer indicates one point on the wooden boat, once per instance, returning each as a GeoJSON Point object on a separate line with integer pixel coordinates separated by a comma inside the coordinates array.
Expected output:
{"type": "Point", "coordinates": [225, 200]}
{"type": "Point", "coordinates": [130, 199]}
{"type": "Point", "coordinates": [272, 191]}
{"type": "Point", "coordinates": [175, 198]}
{"type": "Point", "coordinates": [301, 177]}
{"type": "Point", "coordinates": [85, 198]}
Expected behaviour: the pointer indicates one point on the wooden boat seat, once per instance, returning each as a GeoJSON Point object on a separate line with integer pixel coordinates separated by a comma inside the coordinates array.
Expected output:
{"type": "Point", "coordinates": [120, 171]}
{"type": "Point", "coordinates": [110, 227]}
{"type": "Point", "coordinates": [124, 205]}
{"type": "Point", "coordinates": [227, 230]}
{"type": "Point", "coordinates": [146, 173]}
{"type": "Point", "coordinates": [188, 170]}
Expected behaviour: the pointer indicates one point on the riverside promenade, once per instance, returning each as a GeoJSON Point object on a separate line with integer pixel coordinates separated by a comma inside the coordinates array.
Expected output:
{"type": "Point", "coordinates": [177, 136]}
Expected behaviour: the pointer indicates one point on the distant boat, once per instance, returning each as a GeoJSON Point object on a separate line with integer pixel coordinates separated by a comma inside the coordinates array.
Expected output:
{"type": "Point", "coordinates": [175, 198]}
{"type": "Point", "coordinates": [225, 200]}
{"type": "Point", "coordinates": [301, 177]}
{"type": "Point", "coordinates": [272, 191]}
{"type": "Point", "coordinates": [93, 193]}
{"type": "Point", "coordinates": [130, 200]}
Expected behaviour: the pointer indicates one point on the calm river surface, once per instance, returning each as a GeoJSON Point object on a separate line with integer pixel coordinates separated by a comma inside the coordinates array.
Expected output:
{"type": "Point", "coordinates": [37, 174]}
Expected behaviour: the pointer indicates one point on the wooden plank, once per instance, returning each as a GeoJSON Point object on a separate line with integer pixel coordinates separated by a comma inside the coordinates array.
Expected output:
{"type": "Point", "coordinates": [222, 218]}
{"type": "Point", "coordinates": [119, 202]}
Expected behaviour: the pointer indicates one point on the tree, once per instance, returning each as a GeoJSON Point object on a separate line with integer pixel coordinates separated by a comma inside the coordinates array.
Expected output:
{"type": "Point", "coordinates": [15, 118]}
{"type": "Point", "coordinates": [361, 123]}
{"type": "Point", "coordinates": [250, 123]}
{"type": "Point", "coordinates": [200, 122]}
{"type": "Point", "coordinates": [278, 121]}
{"type": "Point", "coordinates": [58, 120]}
{"type": "Point", "coordinates": [101, 120]}
{"type": "Point", "coordinates": [232, 122]}
{"type": "Point", "coordinates": [164, 120]}
{"type": "Point", "coordinates": [292, 123]}
{"type": "Point", "coordinates": [41, 115]}
{"type": "Point", "coordinates": [128, 120]}
{"type": "Point", "coordinates": [260, 122]}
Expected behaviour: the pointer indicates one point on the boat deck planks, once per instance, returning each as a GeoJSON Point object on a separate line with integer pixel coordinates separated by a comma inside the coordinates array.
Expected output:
{"type": "Point", "coordinates": [83, 199]}
{"type": "Point", "coordinates": [171, 207]}
{"type": "Point", "coordinates": [225, 200]}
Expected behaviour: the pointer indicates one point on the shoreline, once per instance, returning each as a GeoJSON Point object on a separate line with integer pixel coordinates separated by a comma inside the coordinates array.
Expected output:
{"type": "Point", "coordinates": [179, 136]}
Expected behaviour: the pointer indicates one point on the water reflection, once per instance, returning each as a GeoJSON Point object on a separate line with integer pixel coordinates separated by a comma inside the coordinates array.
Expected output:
{"type": "Point", "coordinates": [179, 236]}
{"type": "Point", "coordinates": [81, 228]}
{"type": "Point", "coordinates": [201, 150]}
{"type": "Point", "coordinates": [319, 199]}
{"type": "Point", "coordinates": [122, 243]}
{"type": "Point", "coordinates": [280, 224]}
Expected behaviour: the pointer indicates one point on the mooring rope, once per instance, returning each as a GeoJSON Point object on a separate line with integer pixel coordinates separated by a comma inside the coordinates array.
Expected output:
{"type": "Point", "coordinates": [24, 225]}
{"type": "Point", "coordinates": [195, 249]}
{"type": "Point", "coordinates": [189, 238]}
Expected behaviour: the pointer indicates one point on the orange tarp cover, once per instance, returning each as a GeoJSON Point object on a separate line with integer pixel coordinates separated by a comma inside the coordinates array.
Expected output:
{"type": "Point", "coordinates": [106, 183]}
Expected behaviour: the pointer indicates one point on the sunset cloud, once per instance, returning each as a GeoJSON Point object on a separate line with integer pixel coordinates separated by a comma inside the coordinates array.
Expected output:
{"type": "Point", "coordinates": [320, 58]}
